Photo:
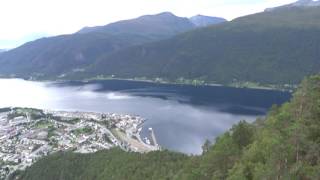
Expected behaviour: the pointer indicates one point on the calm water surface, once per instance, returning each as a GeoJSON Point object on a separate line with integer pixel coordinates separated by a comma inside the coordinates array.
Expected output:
{"type": "Point", "coordinates": [183, 117]}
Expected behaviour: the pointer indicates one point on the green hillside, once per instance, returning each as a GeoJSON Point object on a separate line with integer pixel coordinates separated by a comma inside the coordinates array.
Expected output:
{"type": "Point", "coordinates": [55, 56]}
{"type": "Point", "coordinates": [273, 47]}
{"type": "Point", "coordinates": [276, 47]}
{"type": "Point", "coordinates": [284, 145]}
{"type": "Point", "coordinates": [113, 164]}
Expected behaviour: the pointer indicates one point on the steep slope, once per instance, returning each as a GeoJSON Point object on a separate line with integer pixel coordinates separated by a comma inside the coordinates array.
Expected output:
{"type": "Point", "coordinates": [284, 145]}
{"type": "Point", "coordinates": [49, 57]}
{"type": "Point", "coordinates": [203, 21]}
{"type": "Point", "coordinates": [53, 56]}
{"type": "Point", "coordinates": [270, 48]}
{"type": "Point", "coordinates": [298, 4]}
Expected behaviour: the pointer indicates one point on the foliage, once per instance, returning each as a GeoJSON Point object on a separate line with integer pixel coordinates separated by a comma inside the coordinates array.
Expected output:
{"type": "Point", "coordinates": [83, 130]}
{"type": "Point", "coordinates": [112, 164]}
{"type": "Point", "coordinates": [43, 124]}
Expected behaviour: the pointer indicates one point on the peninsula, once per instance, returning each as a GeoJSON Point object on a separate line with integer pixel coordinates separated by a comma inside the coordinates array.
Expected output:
{"type": "Point", "coordinates": [27, 134]}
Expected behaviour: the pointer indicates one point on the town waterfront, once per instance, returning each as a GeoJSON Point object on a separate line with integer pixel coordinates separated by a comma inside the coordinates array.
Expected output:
{"type": "Point", "coordinates": [182, 117]}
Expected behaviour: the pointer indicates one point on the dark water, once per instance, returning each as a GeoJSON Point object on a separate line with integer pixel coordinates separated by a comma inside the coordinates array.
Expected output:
{"type": "Point", "coordinates": [183, 117]}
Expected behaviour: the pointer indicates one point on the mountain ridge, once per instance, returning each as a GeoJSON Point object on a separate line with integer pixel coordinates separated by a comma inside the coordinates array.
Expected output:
{"type": "Point", "coordinates": [297, 4]}
{"type": "Point", "coordinates": [266, 48]}
{"type": "Point", "coordinates": [144, 24]}
{"type": "Point", "coordinates": [278, 47]}
{"type": "Point", "coordinates": [203, 21]}
{"type": "Point", "coordinates": [55, 56]}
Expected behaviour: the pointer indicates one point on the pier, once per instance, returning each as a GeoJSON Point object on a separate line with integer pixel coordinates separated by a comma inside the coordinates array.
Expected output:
{"type": "Point", "coordinates": [153, 138]}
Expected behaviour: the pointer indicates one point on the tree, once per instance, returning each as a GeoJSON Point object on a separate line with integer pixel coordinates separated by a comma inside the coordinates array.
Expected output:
{"type": "Point", "coordinates": [242, 134]}
{"type": "Point", "coordinates": [206, 146]}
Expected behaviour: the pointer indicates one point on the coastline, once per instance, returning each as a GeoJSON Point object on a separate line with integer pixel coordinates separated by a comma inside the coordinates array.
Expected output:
{"type": "Point", "coordinates": [41, 132]}
{"type": "Point", "coordinates": [241, 85]}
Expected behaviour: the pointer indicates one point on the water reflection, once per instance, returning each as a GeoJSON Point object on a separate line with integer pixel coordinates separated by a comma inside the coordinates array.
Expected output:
{"type": "Point", "coordinates": [181, 116]}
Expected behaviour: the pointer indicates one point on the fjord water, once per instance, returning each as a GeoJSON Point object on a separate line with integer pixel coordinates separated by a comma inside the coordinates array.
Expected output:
{"type": "Point", "coordinates": [182, 116]}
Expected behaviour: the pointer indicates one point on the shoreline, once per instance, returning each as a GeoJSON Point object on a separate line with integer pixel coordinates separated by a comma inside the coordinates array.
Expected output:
{"type": "Point", "coordinates": [238, 86]}
{"type": "Point", "coordinates": [41, 132]}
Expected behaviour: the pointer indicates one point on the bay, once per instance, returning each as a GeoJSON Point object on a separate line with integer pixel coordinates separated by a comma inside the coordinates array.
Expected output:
{"type": "Point", "coordinates": [182, 116]}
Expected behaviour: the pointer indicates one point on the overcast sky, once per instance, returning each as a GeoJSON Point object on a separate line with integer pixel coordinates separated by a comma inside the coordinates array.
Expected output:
{"type": "Point", "coordinates": [23, 20]}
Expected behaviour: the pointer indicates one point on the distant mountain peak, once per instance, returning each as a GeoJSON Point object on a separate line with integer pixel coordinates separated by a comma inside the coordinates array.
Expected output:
{"type": "Point", "coordinates": [160, 20]}
{"type": "Point", "coordinates": [202, 21]}
{"type": "Point", "coordinates": [299, 3]}
{"type": "Point", "coordinates": [200, 16]}
{"type": "Point", "coordinates": [162, 15]}
{"type": "Point", "coordinates": [166, 17]}
{"type": "Point", "coordinates": [165, 14]}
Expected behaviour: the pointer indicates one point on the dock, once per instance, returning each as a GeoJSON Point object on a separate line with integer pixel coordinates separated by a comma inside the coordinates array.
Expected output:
{"type": "Point", "coordinates": [153, 138]}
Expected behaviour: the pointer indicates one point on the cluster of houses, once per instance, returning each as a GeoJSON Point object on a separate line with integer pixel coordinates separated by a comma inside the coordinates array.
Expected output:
{"type": "Point", "coordinates": [29, 134]}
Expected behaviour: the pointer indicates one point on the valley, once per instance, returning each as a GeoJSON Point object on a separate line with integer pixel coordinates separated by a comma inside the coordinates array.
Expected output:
{"type": "Point", "coordinates": [134, 90]}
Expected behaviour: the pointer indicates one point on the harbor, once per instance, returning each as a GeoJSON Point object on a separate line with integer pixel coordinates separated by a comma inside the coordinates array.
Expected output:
{"type": "Point", "coordinates": [26, 135]}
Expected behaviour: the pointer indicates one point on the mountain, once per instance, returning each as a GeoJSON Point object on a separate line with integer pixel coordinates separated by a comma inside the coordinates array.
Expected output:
{"type": "Point", "coordinates": [50, 57]}
{"type": "Point", "coordinates": [2, 50]}
{"type": "Point", "coordinates": [149, 24]}
{"type": "Point", "coordinates": [15, 42]}
{"type": "Point", "coordinates": [162, 25]}
{"type": "Point", "coordinates": [273, 47]}
{"type": "Point", "coordinates": [277, 47]}
{"type": "Point", "coordinates": [203, 21]}
{"type": "Point", "coordinates": [54, 56]}
{"type": "Point", "coordinates": [298, 4]}
{"type": "Point", "coordinates": [283, 145]}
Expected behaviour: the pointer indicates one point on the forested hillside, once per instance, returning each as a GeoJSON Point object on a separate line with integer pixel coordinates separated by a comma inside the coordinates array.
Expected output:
{"type": "Point", "coordinates": [54, 56]}
{"type": "Point", "coordinates": [284, 145]}
{"type": "Point", "coordinates": [274, 47]}
{"type": "Point", "coordinates": [277, 47]}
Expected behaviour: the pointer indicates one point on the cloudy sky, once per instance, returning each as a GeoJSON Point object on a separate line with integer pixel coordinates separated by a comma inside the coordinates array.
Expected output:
{"type": "Point", "coordinates": [24, 20]}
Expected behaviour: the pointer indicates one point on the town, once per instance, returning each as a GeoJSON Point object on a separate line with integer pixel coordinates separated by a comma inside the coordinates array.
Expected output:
{"type": "Point", "coordinates": [29, 134]}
